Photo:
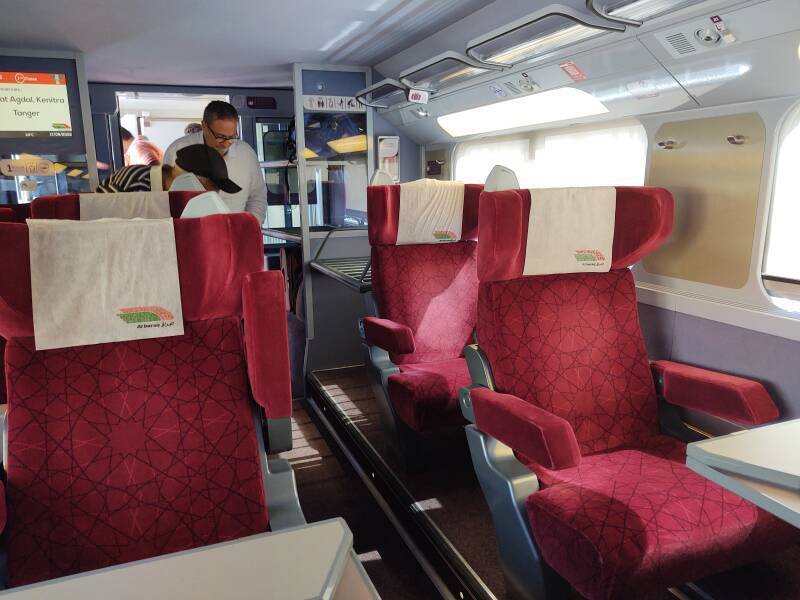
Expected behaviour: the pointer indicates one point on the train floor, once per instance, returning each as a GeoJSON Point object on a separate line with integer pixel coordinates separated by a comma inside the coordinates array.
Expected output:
{"type": "Point", "coordinates": [456, 504]}
{"type": "Point", "coordinates": [328, 487]}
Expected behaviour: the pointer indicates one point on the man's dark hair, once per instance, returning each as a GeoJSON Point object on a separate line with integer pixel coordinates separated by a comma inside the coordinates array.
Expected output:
{"type": "Point", "coordinates": [217, 109]}
{"type": "Point", "coordinates": [125, 134]}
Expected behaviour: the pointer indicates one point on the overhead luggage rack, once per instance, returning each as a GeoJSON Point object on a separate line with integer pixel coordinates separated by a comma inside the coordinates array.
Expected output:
{"type": "Point", "coordinates": [354, 272]}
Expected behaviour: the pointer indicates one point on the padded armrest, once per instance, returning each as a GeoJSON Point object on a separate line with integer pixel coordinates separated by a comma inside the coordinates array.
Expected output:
{"type": "Point", "coordinates": [389, 335]}
{"type": "Point", "coordinates": [718, 394]}
{"type": "Point", "coordinates": [538, 434]}
{"type": "Point", "coordinates": [266, 342]}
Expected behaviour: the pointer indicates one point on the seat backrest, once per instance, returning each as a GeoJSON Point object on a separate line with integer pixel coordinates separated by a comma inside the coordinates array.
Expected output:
{"type": "Point", "coordinates": [68, 206]}
{"type": "Point", "coordinates": [122, 451]}
{"type": "Point", "coordinates": [14, 213]}
{"type": "Point", "coordinates": [571, 343]}
{"type": "Point", "coordinates": [431, 288]}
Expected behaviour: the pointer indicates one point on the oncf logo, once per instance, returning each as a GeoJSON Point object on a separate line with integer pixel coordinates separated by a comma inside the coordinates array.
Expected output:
{"type": "Point", "coordinates": [24, 78]}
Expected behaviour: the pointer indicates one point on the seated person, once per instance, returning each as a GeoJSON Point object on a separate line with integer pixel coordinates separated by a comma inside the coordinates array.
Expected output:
{"type": "Point", "coordinates": [197, 168]}
{"type": "Point", "coordinates": [142, 151]}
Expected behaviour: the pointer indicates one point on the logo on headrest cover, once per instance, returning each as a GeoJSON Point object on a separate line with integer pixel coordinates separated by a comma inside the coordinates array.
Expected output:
{"type": "Point", "coordinates": [590, 258]}
{"type": "Point", "coordinates": [442, 235]}
{"type": "Point", "coordinates": [147, 316]}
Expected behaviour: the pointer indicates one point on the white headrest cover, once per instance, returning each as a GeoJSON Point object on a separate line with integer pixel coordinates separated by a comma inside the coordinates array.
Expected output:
{"type": "Point", "coordinates": [501, 178]}
{"type": "Point", "coordinates": [380, 177]}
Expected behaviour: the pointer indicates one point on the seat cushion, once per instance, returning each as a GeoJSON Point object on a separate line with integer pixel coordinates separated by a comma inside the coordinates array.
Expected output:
{"type": "Point", "coordinates": [119, 452]}
{"type": "Point", "coordinates": [425, 395]}
{"type": "Point", "coordinates": [630, 521]}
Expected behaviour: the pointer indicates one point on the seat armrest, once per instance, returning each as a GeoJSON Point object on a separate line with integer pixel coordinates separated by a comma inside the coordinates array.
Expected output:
{"type": "Point", "coordinates": [266, 342]}
{"type": "Point", "coordinates": [718, 394]}
{"type": "Point", "coordinates": [389, 335]}
{"type": "Point", "coordinates": [536, 433]}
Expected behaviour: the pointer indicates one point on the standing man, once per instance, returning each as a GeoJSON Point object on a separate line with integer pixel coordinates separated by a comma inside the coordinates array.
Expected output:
{"type": "Point", "coordinates": [220, 132]}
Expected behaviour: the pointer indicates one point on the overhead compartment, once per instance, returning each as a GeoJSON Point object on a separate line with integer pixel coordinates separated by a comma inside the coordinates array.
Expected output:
{"type": "Point", "coordinates": [624, 77]}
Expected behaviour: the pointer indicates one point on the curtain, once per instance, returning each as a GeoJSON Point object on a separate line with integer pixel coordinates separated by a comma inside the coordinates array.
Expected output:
{"type": "Point", "coordinates": [609, 154]}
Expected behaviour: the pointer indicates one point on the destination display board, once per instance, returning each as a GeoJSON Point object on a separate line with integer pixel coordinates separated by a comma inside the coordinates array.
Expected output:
{"type": "Point", "coordinates": [34, 105]}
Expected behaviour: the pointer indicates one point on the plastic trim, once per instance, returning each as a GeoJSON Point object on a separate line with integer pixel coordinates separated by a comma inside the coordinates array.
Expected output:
{"type": "Point", "coordinates": [506, 484]}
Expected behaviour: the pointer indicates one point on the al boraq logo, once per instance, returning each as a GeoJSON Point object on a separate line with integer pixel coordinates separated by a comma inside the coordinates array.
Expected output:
{"type": "Point", "coordinates": [442, 235]}
{"type": "Point", "coordinates": [147, 316]}
{"type": "Point", "coordinates": [589, 256]}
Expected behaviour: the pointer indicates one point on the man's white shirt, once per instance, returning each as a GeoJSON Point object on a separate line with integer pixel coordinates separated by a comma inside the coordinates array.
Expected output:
{"type": "Point", "coordinates": [243, 169]}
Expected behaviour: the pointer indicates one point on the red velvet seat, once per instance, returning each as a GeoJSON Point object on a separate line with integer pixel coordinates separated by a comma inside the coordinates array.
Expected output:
{"type": "Point", "coordinates": [425, 395]}
{"type": "Point", "coordinates": [426, 296]}
{"type": "Point", "coordinates": [618, 514]}
{"type": "Point", "coordinates": [68, 206]}
{"type": "Point", "coordinates": [122, 451]}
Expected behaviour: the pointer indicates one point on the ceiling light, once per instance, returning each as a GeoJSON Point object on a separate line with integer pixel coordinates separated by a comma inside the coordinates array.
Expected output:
{"type": "Point", "coordinates": [638, 10]}
{"type": "Point", "coordinates": [546, 107]}
{"type": "Point", "coordinates": [383, 94]}
{"type": "Point", "coordinates": [443, 70]}
{"type": "Point", "coordinates": [538, 33]}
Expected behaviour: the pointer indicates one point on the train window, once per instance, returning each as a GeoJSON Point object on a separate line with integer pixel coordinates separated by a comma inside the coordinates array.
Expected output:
{"type": "Point", "coordinates": [607, 154]}
{"type": "Point", "coordinates": [781, 272]}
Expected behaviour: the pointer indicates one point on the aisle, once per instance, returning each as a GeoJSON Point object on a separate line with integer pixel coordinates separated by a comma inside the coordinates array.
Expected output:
{"type": "Point", "coordinates": [328, 488]}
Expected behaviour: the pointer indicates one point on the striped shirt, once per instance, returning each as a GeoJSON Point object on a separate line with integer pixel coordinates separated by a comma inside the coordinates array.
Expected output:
{"type": "Point", "coordinates": [133, 178]}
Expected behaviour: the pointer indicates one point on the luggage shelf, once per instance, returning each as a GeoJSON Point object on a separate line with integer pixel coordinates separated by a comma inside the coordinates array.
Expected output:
{"type": "Point", "coordinates": [354, 272]}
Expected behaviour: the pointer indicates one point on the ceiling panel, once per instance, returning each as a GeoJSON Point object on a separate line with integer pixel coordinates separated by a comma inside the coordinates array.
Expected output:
{"type": "Point", "coordinates": [240, 43]}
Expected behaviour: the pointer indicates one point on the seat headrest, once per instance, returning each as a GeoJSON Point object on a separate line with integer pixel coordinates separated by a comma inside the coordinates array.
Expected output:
{"type": "Point", "coordinates": [68, 206]}
{"type": "Point", "coordinates": [214, 255]}
{"type": "Point", "coordinates": [643, 221]}
{"type": "Point", "coordinates": [383, 213]}
{"type": "Point", "coordinates": [500, 178]}
{"type": "Point", "coordinates": [381, 177]}
{"type": "Point", "coordinates": [7, 215]}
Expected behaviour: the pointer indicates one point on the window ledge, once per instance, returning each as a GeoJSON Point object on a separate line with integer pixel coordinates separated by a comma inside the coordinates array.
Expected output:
{"type": "Point", "coordinates": [771, 320]}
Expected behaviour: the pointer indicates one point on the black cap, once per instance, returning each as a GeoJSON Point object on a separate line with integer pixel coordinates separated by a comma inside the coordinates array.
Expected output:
{"type": "Point", "coordinates": [206, 162]}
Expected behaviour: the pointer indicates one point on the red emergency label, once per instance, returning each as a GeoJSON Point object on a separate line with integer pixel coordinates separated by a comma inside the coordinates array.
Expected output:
{"type": "Point", "coordinates": [574, 71]}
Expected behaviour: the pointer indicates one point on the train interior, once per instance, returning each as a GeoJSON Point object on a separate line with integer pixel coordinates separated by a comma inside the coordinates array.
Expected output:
{"type": "Point", "coordinates": [519, 315]}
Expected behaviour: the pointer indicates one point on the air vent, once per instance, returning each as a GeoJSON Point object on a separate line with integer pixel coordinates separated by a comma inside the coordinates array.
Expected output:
{"type": "Point", "coordinates": [688, 40]}
{"type": "Point", "coordinates": [681, 44]}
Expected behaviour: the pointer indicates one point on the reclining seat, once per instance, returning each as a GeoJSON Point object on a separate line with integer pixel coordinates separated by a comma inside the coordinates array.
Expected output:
{"type": "Point", "coordinates": [425, 301]}
{"type": "Point", "coordinates": [561, 377]}
{"type": "Point", "coordinates": [67, 206]}
{"type": "Point", "coordinates": [277, 422]}
{"type": "Point", "coordinates": [122, 451]}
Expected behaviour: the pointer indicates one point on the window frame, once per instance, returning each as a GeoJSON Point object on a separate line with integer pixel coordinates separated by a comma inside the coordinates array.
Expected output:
{"type": "Point", "coordinates": [781, 291]}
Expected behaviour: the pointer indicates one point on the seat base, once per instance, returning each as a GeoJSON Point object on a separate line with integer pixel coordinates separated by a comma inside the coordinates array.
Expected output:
{"type": "Point", "coordinates": [425, 395]}
{"type": "Point", "coordinates": [629, 521]}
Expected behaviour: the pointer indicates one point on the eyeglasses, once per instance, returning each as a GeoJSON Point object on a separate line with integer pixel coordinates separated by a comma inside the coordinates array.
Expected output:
{"type": "Point", "coordinates": [221, 138]}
